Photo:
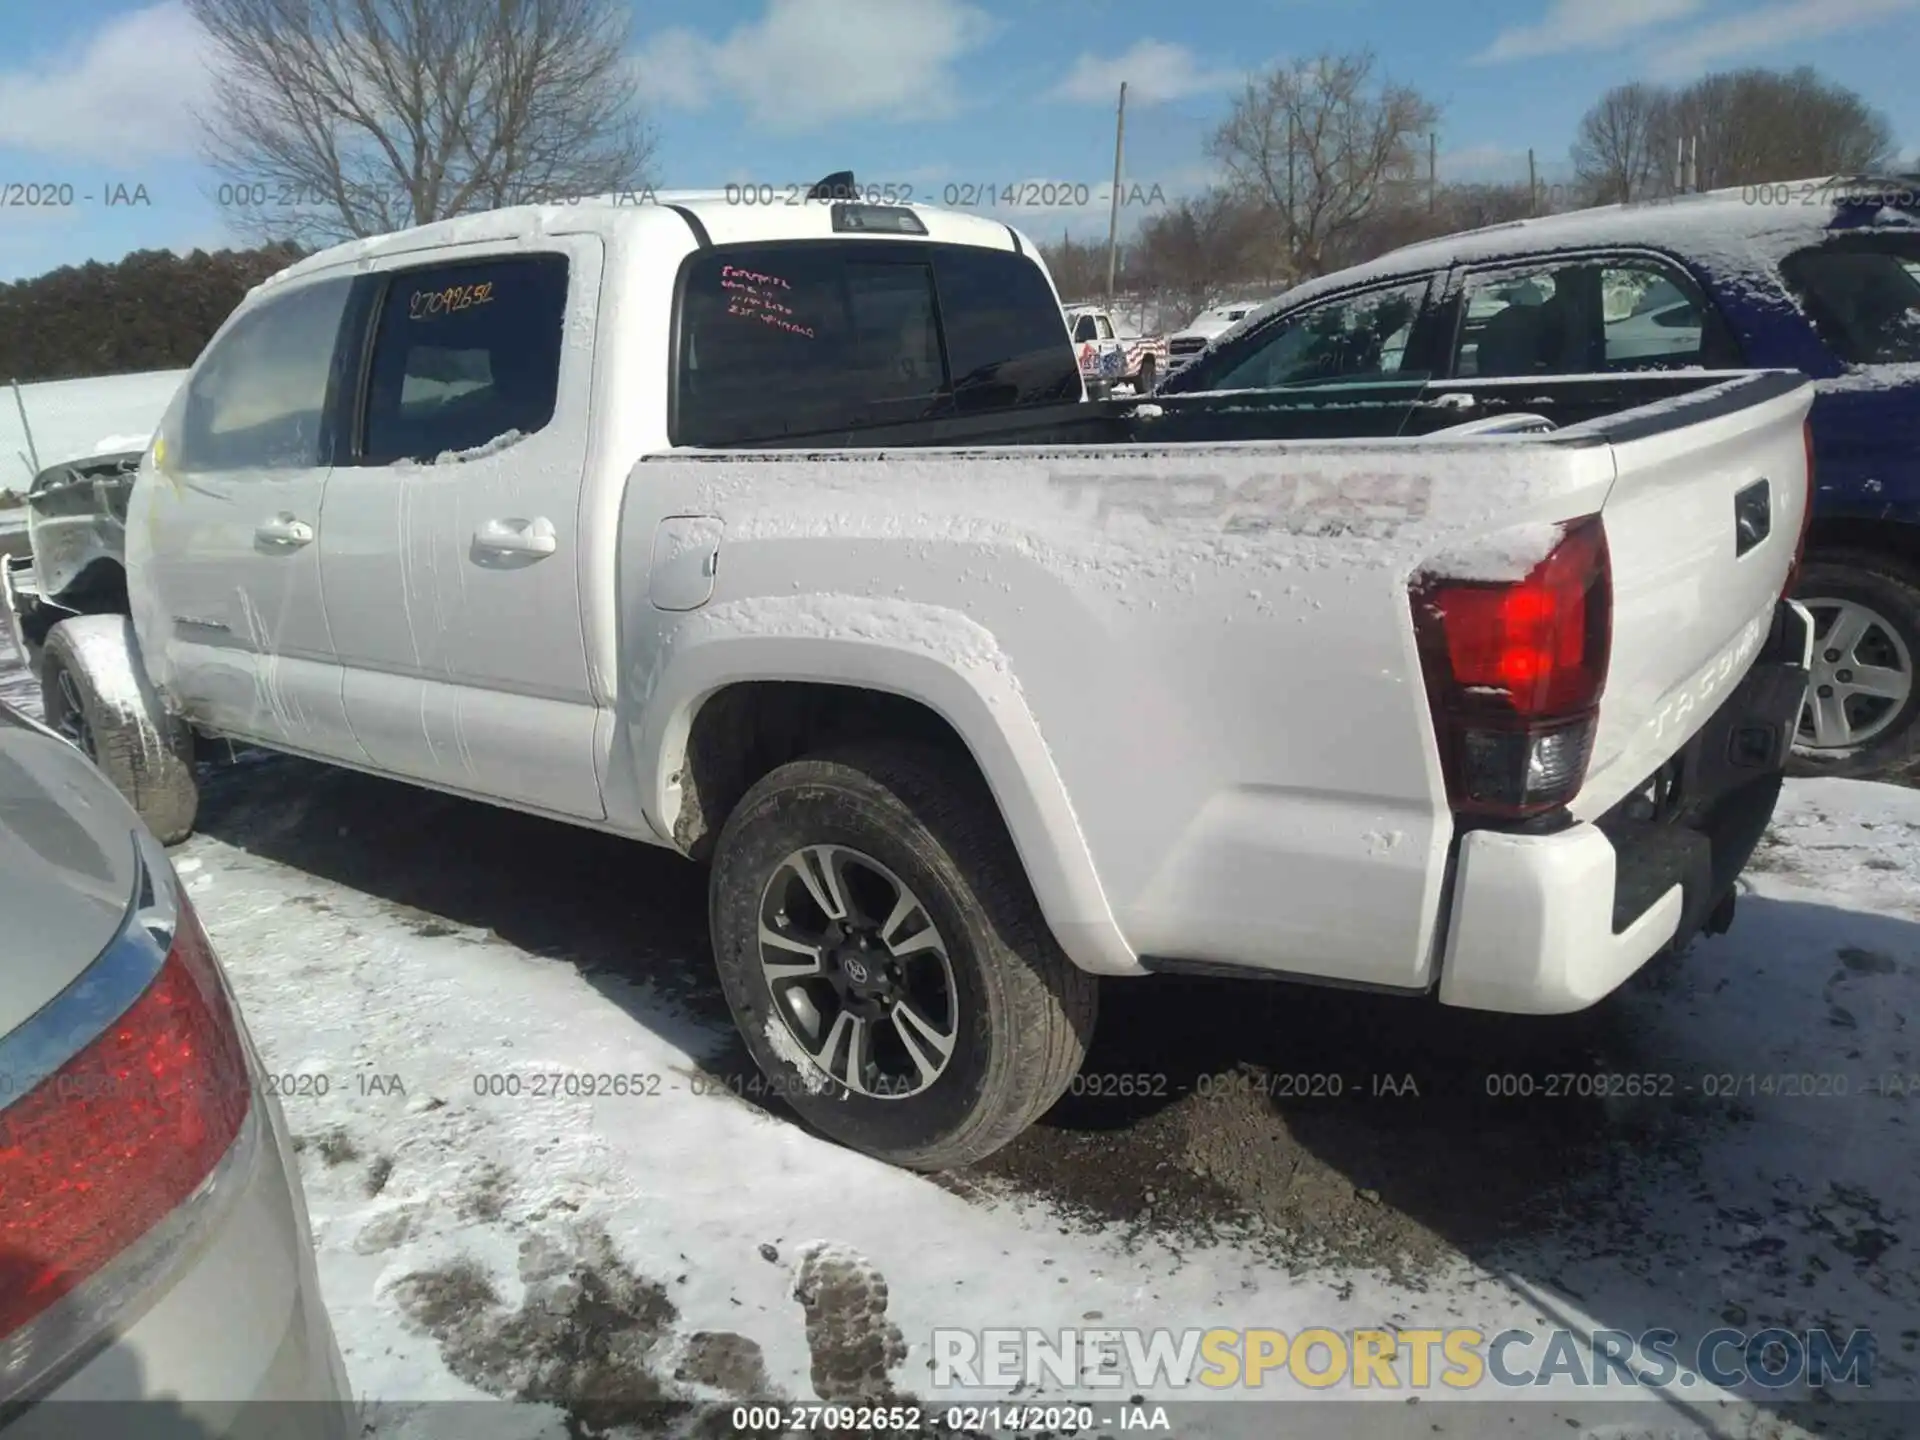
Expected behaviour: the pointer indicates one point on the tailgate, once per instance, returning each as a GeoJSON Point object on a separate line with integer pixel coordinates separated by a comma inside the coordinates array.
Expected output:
{"type": "Point", "coordinates": [1702, 523]}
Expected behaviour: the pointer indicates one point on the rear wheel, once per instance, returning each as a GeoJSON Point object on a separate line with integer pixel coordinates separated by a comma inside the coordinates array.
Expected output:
{"type": "Point", "coordinates": [1148, 373]}
{"type": "Point", "coordinates": [1862, 717]}
{"type": "Point", "coordinates": [96, 693]}
{"type": "Point", "coordinates": [886, 961]}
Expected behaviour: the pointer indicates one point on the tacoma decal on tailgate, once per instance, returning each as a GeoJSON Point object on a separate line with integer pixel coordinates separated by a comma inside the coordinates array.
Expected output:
{"type": "Point", "coordinates": [1700, 695]}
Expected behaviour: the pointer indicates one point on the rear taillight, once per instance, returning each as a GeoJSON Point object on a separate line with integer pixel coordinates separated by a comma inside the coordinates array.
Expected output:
{"type": "Point", "coordinates": [101, 1151]}
{"type": "Point", "coordinates": [1806, 516]}
{"type": "Point", "coordinates": [1514, 673]}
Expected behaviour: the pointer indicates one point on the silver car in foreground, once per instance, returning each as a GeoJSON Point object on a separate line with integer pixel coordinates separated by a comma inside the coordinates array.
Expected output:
{"type": "Point", "coordinates": [154, 1243]}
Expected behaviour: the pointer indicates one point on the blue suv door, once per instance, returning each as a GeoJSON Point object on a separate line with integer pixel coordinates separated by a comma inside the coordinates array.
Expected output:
{"type": "Point", "coordinates": [1860, 292]}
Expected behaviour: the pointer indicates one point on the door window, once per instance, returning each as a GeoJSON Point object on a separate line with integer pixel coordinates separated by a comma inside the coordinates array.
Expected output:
{"type": "Point", "coordinates": [257, 398]}
{"type": "Point", "coordinates": [1648, 320]}
{"type": "Point", "coordinates": [1863, 297]}
{"type": "Point", "coordinates": [1582, 317]}
{"type": "Point", "coordinates": [1358, 337]}
{"type": "Point", "coordinates": [1085, 331]}
{"type": "Point", "coordinates": [1520, 323]}
{"type": "Point", "coordinates": [463, 356]}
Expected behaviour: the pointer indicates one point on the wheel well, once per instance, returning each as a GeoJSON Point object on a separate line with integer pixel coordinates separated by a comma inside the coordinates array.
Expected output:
{"type": "Point", "coordinates": [745, 730]}
{"type": "Point", "coordinates": [1884, 537]}
{"type": "Point", "coordinates": [100, 589]}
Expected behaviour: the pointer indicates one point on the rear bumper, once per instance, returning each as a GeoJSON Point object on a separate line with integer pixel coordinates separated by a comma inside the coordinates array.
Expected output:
{"type": "Point", "coordinates": [1549, 923]}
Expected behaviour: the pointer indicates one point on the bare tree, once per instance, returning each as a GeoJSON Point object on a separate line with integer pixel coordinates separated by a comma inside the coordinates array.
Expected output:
{"type": "Point", "coordinates": [1079, 267]}
{"type": "Point", "coordinates": [1756, 126]}
{"type": "Point", "coordinates": [1623, 150]}
{"type": "Point", "coordinates": [1189, 256]}
{"type": "Point", "coordinates": [339, 118]}
{"type": "Point", "coordinates": [1320, 144]}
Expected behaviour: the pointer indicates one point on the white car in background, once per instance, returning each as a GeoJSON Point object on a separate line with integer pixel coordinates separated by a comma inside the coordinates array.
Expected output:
{"type": "Point", "coordinates": [1203, 329]}
{"type": "Point", "coordinates": [154, 1242]}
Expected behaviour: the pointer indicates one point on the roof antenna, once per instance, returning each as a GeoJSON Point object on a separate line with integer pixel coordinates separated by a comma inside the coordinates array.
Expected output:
{"type": "Point", "coordinates": [837, 186]}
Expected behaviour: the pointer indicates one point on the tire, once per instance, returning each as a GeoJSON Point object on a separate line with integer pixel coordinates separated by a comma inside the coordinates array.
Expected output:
{"type": "Point", "coordinates": [1887, 593]}
{"type": "Point", "coordinates": [1016, 1014]}
{"type": "Point", "coordinates": [1144, 385]}
{"type": "Point", "coordinates": [96, 693]}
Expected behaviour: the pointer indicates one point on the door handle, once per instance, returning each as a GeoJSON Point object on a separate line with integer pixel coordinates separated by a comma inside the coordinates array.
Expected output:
{"type": "Point", "coordinates": [518, 537]}
{"type": "Point", "coordinates": [284, 530]}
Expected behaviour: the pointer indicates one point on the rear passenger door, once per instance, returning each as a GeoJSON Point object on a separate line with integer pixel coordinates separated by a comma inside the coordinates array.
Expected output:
{"type": "Point", "coordinates": [451, 551]}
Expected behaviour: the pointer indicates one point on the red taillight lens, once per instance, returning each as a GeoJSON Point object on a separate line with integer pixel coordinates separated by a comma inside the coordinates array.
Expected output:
{"type": "Point", "coordinates": [1514, 672]}
{"type": "Point", "coordinates": [1806, 516]}
{"type": "Point", "coordinates": [105, 1148]}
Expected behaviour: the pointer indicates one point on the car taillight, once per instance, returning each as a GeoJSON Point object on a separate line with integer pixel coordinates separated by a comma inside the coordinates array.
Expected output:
{"type": "Point", "coordinates": [101, 1151]}
{"type": "Point", "coordinates": [1806, 516]}
{"type": "Point", "coordinates": [1514, 673]}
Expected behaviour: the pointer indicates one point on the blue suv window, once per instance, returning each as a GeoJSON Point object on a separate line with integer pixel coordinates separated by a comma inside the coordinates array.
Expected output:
{"type": "Point", "coordinates": [1863, 297]}
{"type": "Point", "coordinates": [1353, 338]}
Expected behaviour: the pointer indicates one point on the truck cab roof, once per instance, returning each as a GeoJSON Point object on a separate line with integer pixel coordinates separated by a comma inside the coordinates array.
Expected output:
{"type": "Point", "coordinates": [717, 217]}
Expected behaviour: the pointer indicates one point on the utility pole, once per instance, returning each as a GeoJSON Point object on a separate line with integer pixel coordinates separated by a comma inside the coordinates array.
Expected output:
{"type": "Point", "coordinates": [1113, 214]}
{"type": "Point", "coordinates": [1533, 186]}
{"type": "Point", "coordinates": [1433, 171]}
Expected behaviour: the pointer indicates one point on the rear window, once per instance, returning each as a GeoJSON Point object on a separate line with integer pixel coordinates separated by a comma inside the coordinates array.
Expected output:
{"type": "Point", "coordinates": [811, 338]}
{"type": "Point", "coordinates": [1006, 344]}
{"type": "Point", "coordinates": [1863, 296]}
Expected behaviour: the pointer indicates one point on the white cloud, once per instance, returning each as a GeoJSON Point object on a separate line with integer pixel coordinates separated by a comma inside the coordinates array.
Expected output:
{"type": "Point", "coordinates": [126, 92]}
{"type": "Point", "coordinates": [1573, 25]}
{"type": "Point", "coordinates": [807, 63]}
{"type": "Point", "coordinates": [1154, 70]}
{"type": "Point", "coordinates": [1769, 28]}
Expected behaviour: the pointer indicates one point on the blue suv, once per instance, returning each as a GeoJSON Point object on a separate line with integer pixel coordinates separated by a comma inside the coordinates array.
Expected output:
{"type": "Point", "coordinates": [1820, 276]}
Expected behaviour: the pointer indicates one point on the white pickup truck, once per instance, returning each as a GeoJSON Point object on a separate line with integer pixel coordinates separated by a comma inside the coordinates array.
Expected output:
{"type": "Point", "coordinates": [788, 540]}
{"type": "Point", "coordinates": [1110, 355]}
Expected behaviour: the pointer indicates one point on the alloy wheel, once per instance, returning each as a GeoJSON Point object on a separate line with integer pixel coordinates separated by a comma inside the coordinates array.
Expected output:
{"type": "Point", "coordinates": [859, 975]}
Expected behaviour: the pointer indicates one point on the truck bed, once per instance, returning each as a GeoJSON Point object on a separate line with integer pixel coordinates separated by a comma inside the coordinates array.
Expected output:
{"type": "Point", "coordinates": [1210, 596]}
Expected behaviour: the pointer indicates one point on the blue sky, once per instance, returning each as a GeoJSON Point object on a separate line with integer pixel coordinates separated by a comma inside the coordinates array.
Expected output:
{"type": "Point", "coordinates": [98, 94]}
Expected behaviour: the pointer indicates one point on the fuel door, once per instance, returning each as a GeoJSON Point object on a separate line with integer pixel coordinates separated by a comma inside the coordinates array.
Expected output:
{"type": "Point", "coordinates": [686, 557]}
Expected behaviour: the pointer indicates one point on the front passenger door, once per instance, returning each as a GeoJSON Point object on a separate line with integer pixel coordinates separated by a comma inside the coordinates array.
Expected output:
{"type": "Point", "coordinates": [224, 531]}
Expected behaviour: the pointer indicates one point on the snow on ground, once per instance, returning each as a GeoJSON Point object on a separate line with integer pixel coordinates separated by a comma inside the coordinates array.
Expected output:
{"type": "Point", "coordinates": [70, 419]}
{"type": "Point", "coordinates": [536, 1167]}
